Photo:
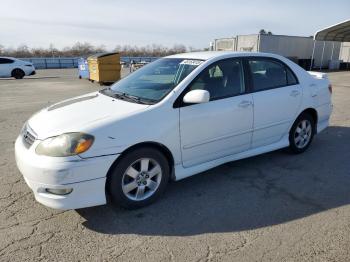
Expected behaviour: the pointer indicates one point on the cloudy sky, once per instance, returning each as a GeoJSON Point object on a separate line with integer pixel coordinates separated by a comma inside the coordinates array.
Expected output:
{"type": "Point", "coordinates": [37, 23]}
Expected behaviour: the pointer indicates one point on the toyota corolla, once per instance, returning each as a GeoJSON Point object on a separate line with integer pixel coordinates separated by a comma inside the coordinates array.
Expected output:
{"type": "Point", "coordinates": [173, 118]}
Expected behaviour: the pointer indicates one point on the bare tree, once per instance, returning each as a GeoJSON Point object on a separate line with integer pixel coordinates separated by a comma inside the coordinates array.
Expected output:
{"type": "Point", "coordinates": [23, 51]}
{"type": "Point", "coordinates": [85, 49]}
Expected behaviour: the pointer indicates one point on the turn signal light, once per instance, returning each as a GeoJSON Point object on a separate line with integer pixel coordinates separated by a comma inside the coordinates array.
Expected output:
{"type": "Point", "coordinates": [83, 145]}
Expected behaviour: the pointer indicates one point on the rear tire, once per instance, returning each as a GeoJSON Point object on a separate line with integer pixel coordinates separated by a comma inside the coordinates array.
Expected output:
{"type": "Point", "coordinates": [302, 133]}
{"type": "Point", "coordinates": [139, 178]}
{"type": "Point", "coordinates": [18, 73]}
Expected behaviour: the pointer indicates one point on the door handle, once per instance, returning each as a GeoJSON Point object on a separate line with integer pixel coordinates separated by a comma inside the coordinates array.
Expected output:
{"type": "Point", "coordinates": [294, 93]}
{"type": "Point", "coordinates": [245, 104]}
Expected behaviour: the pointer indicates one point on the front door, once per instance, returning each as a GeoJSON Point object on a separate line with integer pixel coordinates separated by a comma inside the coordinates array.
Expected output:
{"type": "Point", "coordinates": [223, 126]}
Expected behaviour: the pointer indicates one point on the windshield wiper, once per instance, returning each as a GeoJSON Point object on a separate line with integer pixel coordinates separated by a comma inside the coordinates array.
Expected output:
{"type": "Point", "coordinates": [135, 99]}
{"type": "Point", "coordinates": [109, 92]}
{"type": "Point", "coordinates": [119, 96]}
{"type": "Point", "coordinates": [124, 96]}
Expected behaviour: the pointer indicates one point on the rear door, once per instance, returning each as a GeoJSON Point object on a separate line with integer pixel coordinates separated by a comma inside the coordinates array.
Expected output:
{"type": "Point", "coordinates": [277, 96]}
{"type": "Point", "coordinates": [223, 126]}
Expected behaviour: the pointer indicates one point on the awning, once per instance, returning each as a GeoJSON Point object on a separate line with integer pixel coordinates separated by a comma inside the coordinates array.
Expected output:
{"type": "Point", "coordinates": [339, 32]}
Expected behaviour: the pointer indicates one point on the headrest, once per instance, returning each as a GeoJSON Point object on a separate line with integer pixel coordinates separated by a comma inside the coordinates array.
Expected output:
{"type": "Point", "coordinates": [275, 72]}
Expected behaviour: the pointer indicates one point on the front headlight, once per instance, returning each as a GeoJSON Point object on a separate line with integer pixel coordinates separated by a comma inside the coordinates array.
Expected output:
{"type": "Point", "coordinates": [68, 144]}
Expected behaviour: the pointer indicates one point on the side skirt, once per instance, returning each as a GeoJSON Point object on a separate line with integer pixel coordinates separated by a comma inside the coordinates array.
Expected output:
{"type": "Point", "coordinates": [181, 172]}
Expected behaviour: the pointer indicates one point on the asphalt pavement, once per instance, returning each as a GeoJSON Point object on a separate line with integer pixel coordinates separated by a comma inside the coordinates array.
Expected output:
{"type": "Point", "coordinates": [273, 207]}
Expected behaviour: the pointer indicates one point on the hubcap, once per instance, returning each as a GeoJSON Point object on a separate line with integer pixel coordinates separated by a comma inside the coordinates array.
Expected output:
{"type": "Point", "coordinates": [141, 179]}
{"type": "Point", "coordinates": [302, 134]}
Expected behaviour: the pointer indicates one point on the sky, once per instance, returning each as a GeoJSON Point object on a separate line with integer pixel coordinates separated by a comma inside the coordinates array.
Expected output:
{"type": "Point", "coordinates": [39, 23]}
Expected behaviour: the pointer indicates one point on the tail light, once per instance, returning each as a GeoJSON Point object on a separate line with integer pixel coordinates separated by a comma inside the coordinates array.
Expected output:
{"type": "Point", "coordinates": [330, 88]}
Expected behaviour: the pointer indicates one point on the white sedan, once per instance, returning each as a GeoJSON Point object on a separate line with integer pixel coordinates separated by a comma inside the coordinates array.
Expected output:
{"type": "Point", "coordinates": [173, 118]}
{"type": "Point", "coordinates": [13, 67]}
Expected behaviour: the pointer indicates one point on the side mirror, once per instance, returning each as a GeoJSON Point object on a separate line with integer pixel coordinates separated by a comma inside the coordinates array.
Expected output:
{"type": "Point", "coordinates": [197, 97]}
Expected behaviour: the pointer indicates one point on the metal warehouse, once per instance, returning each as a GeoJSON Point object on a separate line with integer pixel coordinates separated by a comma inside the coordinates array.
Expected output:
{"type": "Point", "coordinates": [345, 52]}
{"type": "Point", "coordinates": [297, 48]}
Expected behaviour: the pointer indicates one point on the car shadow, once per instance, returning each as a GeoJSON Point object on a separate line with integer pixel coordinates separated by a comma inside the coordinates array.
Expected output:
{"type": "Point", "coordinates": [261, 191]}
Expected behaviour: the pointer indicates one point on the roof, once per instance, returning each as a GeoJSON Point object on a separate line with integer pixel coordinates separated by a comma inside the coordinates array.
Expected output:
{"type": "Point", "coordinates": [203, 55]}
{"type": "Point", "coordinates": [264, 35]}
{"type": "Point", "coordinates": [9, 57]}
{"type": "Point", "coordinates": [213, 54]}
{"type": "Point", "coordinates": [339, 32]}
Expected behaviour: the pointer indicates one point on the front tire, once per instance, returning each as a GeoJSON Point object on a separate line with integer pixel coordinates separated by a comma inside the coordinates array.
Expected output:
{"type": "Point", "coordinates": [302, 133]}
{"type": "Point", "coordinates": [18, 73]}
{"type": "Point", "coordinates": [139, 178]}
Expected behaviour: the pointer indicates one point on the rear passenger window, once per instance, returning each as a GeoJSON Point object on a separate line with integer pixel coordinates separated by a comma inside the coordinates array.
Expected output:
{"type": "Point", "coordinates": [223, 79]}
{"type": "Point", "coordinates": [268, 74]}
{"type": "Point", "coordinates": [291, 78]}
{"type": "Point", "coordinates": [6, 61]}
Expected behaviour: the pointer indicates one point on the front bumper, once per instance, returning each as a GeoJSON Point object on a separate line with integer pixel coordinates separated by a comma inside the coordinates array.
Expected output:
{"type": "Point", "coordinates": [87, 177]}
{"type": "Point", "coordinates": [32, 73]}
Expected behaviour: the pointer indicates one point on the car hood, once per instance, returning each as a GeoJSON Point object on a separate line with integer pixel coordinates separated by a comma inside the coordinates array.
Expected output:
{"type": "Point", "coordinates": [80, 113]}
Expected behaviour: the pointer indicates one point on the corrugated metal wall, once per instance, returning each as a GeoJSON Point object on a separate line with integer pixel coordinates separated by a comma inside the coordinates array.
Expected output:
{"type": "Point", "coordinates": [289, 46]}
{"type": "Point", "coordinates": [345, 52]}
{"type": "Point", "coordinates": [327, 52]}
{"type": "Point", "coordinates": [300, 47]}
{"type": "Point", "coordinates": [248, 43]}
{"type": "Point", "coordinates": [51, 63]}
{"type": "Point", "coordinates": [225, 44]}
{"type": "Point", "coordinates": [72, 62]}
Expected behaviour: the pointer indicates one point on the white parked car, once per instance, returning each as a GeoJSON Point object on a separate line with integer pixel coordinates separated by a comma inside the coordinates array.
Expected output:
{"type": "Point", "coordinates": [13, 67]}
{"type": "Point", "coordinates": [171, 119]}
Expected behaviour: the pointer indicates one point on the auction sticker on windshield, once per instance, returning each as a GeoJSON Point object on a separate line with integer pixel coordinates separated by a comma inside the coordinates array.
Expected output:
{"type": "Point", "coordinates": [191, 62]}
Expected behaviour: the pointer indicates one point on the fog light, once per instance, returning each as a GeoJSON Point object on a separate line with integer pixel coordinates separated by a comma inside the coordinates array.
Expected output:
{"type": "Point", "coordinates": [62, 191]}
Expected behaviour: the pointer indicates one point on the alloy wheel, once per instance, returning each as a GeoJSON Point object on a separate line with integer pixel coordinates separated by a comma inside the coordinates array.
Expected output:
{"type": "Point", "coordinates": [141, 179]}
{"type": "Point", "coordinates": [303, 134]}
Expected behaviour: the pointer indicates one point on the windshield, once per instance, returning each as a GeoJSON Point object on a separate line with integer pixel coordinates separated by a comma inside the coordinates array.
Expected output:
{"type": "Point", "coordinates": [154, 81]}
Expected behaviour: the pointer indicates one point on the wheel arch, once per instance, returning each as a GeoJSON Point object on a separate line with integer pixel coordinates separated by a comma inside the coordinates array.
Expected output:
{"type": "Point", "coordinates": [16, 68]}
{"type": "Point", "coordinates": [313, 112]}
{"type": "Point", "coordinates": [158, 146]}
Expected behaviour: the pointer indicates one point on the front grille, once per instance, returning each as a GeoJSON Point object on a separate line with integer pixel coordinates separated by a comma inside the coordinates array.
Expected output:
{"type": "Point", "coordinates": [28, 136]}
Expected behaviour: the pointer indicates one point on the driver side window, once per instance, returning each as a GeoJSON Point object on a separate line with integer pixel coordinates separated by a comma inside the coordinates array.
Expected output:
{"type": "Point", "coordinates": [222, 79]}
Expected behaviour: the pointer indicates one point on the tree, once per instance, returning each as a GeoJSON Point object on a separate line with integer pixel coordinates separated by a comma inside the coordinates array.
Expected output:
{"type": "Point", "coordinates": [86, 49]}
{"type": "Point", "coordinates": [23, 51]}
{"type": "Point", "coordinates": [53, 50]}
{"type": "Point", "coordinates": [264, 32]}
{"type": "Point", "coordinates": [179, 48]}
